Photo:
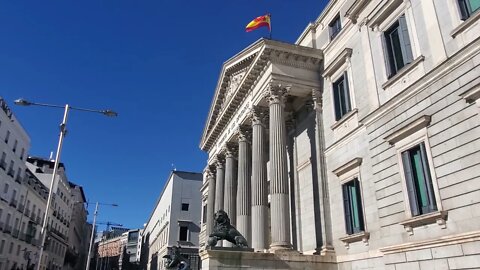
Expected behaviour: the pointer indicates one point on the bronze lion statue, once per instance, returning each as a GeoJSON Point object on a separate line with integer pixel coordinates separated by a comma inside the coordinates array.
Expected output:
{"type": "Point", "coordinates": [223, 230]}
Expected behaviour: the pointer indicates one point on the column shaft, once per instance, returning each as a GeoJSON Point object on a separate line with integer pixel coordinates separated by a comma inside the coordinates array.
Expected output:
{"type": "Point", "coordinates": [259, 183]}
{"type": "Point", "coordinates": [230, 199]}
{"type": "Point", "coordinates": [244, 187]}
{"type": "Point", "coordinates": [279, 198]}
{"type": "Point", "coordinates": [210, 202]}
{"type": "Point", "coordinates": [219, 187]}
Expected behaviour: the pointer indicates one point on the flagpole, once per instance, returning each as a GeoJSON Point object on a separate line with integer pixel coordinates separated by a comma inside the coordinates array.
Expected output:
{"type": "Point", "coordinates": [270, 16]}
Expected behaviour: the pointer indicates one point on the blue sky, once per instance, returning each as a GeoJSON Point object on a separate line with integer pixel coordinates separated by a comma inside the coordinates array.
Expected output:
{"type": "Point", "coordinates": [155, 62]}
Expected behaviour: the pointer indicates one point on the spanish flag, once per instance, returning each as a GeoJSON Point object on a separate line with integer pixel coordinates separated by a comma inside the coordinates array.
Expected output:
{"type": "Point", "coordinates": [259, 22]}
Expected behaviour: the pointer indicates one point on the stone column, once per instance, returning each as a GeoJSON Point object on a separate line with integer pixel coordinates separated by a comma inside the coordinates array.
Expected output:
{"type": "Point", "coordinates": [230, 199]}
{"type": "Point", "coordinates": [326, 223]}
{"type": "Point", "coordinates": [259, 181]}
{"type": "Point", "coordinates": [210, 202]}
{"type": "Point", "coordinates": [244, 201]}
{"type": "Point", "coordinates": [219, 185]}
{"type": "Point", "coordinates": [279, 198]}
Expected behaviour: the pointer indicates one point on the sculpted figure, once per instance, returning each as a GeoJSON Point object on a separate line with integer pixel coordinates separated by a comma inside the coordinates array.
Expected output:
{"type": "Point", "coordinates": [223, 230]}
{"type": "Point", "coordinates": [176, 260]}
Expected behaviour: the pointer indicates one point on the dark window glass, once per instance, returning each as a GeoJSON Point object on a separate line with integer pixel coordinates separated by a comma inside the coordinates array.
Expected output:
{"type": "Point", "coordinates": [419, 182]}
{"type": "Point", "coordinates": [468, 7]}
{"type": "Point", "coordinates": [352, 204]}
{"type": "Point", "coordinates": [185, 206]}
{"type": "Point", "coordinates": [341, 97]}
{"type": "Point", "coordinates": [335, 26]}
{"type": "Point", "coordinates": [205, 213]}
{"type": "Point", "coordinates": [183, 233]}
{"type": "Point", "coordinates": [397, 46]}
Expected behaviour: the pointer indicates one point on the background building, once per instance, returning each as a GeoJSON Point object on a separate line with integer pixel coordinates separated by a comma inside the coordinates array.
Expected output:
{"type": "Point", "coordinates": [175, 220]}
{"type": "Point", "coordinates": [358, 144]}
{"type": "Point", "coordinates": [14, 146]}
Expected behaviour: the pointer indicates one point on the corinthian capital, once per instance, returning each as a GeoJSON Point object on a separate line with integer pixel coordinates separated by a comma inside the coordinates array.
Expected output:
{"type": "Point", "coordinates": [243, 134]}
{"type": "Point", "coordinates": [276, 94]}
{"type": "Point", "coordinates": [259, 115]}
{"type": "Point", "coordinates": [219, 160]}
{"type": "Point", "coordinates": [230, 150]}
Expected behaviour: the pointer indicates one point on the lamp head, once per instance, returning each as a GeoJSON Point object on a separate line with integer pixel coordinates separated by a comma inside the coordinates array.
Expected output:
{"type": "Point", "coordinates": [110, 113]}
{"type": "Point", "coordinates": [22, 102]}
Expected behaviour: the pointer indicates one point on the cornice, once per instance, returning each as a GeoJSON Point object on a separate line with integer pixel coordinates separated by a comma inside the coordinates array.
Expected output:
{"type": "Point", "coordinates": [339, 60]}
{"type": "Point", "coordinates": [356, 162]}
{"type": "Point", "coordinates": [382, 12]}
{"type": "Point", "coordinates": [354, 10]}
{"type": "Point", "coordinates": [408, 129]}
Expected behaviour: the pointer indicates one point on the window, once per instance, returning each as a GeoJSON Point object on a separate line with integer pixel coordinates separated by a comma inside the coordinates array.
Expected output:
{"type": "Point", "coordinates": [2, 245]}
{"type": "Point", "coordinates": [341, 97]}
{"type": "Point", "coordinates": [7, 137]}
{"type": "Point", "coordinates": [335, 26]}
{"type": "Point", "coordinates": [5, 188]}
{"type": "Point", "coordinates": [419, 182]}
{"type": "Point", "coordinates": [183, 233]}
{"type": "Point", "coordinates": [185, 206]}
{"type": "Point", "coordinates": [468, 7]}
{"type": "Point", "coordinates": [352, 204]}
{"type": "Point", "coordinates": [22, 153]}
{"type": "Point", "coordinates": [15, 146]}
{"type": "Point", "coordinates": [205, 213]}
{"type": "Point", "coordinates": [3, 163]}
{"type": "Point", "coordinates": [398, 47]}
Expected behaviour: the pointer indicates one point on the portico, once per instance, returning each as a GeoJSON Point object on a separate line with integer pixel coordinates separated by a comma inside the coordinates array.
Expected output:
{"type": "Point", "coordinates": [260, 148]}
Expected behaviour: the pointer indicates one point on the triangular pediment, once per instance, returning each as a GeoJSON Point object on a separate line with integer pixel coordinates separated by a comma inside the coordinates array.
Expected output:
{"type": "Point", "coordinates": [240, 73]}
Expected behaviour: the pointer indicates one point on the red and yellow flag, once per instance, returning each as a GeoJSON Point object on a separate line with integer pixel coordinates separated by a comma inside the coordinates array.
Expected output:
{"type": "Point", "coordinates": [259, 22]}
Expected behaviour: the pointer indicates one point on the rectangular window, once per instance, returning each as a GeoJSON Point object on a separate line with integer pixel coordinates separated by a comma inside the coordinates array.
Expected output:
{"type": "Point", "coordinates": [341, 97]}
{"type": "Point", "coordinates": [397, 46]}
{"type": "Point", "coordinates": [7, 137]}
{"type": "Point", "coordinates": [185, 206]}
{"type": "Point", "coordinates": [335, 26]}
{"type": "Point", "coordinates": [204, 217]}
{"type": "Point", "coordinates": [468, 7]}
{"type": "Point", "coordinates": [183, 233]}
{"type": "Point", "coordinates": [22, 153]}
{"type": "Point", "coordinates": [419, 182]}
{"type": "Point", "coordinates": [3, 163]}
{"type": "Point", "coordinates": [352, 204]}
{"type": "Point", "coordinates": [15, 144]}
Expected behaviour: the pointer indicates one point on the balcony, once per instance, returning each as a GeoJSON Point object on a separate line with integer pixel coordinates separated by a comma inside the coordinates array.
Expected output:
{"type": "Point", "coordinates": [22, 237]}
{"type": "Point", "coordinates": [27, 212]}
{"type": "Point", "coordinates": [11, 172]}
{"type": "Point", "coordinates": [39, 220]}
{"type": "Point", "coordinates": [32, 217]}
{"type": "Point", "coordinates": [1, 226]}
{"type": "Point", "coordinates": [55, 213]}
{"type": "Point", "coordinates": [21, 207]}
{"type": "Point", "coordinates": [3, 165]}
{"type": "Point", "coordinates": [15, 233]}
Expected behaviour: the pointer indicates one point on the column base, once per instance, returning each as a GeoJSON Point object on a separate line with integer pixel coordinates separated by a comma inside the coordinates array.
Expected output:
{"type": "Point", "coordinates": [280, 247]}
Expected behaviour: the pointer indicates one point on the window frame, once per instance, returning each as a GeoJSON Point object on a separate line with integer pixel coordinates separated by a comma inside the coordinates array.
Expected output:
{"type": "Point", "coordinates": [408, 143]}
{"type": "Point", "coordinates": [466, 9]}
{"type": "Point", "coordinates": [180, 233]}
{"type": "Point", "coordinates": [334, 27]}
{"type": "Point", "coordinates": [400, 25]}
{"type": "Point", "coordinates": [343, 78]}
{"type": "Point", "coordinates": [349, 224]}
{"type": "Point", "coordinates": [187, 207]}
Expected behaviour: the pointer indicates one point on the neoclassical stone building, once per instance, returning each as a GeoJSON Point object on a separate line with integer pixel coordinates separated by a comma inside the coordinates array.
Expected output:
{"type": "Point", "coordinates": [357, 147]}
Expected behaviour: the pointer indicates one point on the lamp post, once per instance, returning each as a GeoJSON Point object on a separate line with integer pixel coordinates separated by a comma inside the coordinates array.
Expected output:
{"type": "Point", "coordinates": [63, 130]}
{"type": "Point", "coordinates": [93, 230]}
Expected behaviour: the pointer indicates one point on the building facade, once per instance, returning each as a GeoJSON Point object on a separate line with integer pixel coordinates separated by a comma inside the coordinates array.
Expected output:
{"type": "Point", "coordinates": [175, 221]}
{"type": "Point", "coordinates": [359, 143]}
{"type": "Point", "coordinates": [60, 212]}
{"type": "Point", "coordinates": [15, 251]}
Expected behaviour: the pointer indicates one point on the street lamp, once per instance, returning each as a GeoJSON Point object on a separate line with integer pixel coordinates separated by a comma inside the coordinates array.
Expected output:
{"type": "Point", "coordinates": [93, 230]}
{"type": "Point", "coordinates": [63, 130]}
